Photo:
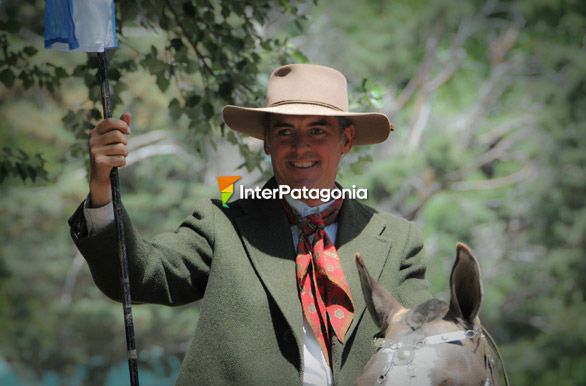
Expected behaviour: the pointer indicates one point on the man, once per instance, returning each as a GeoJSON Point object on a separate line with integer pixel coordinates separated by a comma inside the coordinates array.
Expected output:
{"type": "Point", "coordinates": [282, 303]}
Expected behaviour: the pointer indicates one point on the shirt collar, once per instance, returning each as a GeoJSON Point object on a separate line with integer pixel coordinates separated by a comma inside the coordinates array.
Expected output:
{"type": "Point", "coordinates": [305, 210]}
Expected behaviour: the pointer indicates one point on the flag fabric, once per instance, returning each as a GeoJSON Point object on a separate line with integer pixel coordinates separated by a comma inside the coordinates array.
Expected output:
{"type": "Point", "coordinates": [80, 25]}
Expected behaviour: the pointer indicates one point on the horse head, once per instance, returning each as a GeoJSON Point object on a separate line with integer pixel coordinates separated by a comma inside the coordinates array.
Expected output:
{"type": "Point", "coordinates": [434, 343]}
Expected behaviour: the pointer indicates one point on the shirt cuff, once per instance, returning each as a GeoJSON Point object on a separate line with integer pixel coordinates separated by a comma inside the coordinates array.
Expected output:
{"type": "Point", "coordinates": [98, 218]}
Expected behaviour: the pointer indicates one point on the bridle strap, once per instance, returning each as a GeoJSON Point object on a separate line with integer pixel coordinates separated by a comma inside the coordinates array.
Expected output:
{"type": "Point", "coordinates": [449, 337]}
{"type": "Point", "coordinates": [496, 350]}
{"type": "Point", "coordinates": [446, 337]}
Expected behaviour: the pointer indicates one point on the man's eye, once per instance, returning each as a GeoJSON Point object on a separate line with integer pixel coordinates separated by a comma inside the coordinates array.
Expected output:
{"type": "Point", "coordinates": [283, 132]}
{"type": "Point", "coordinates": [317, 131]}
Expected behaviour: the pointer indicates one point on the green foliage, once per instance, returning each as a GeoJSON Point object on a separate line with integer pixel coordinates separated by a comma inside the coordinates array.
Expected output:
{"type": "Point", "coordinates": [16, 64]}
{"type": "Point", "coordinates": [21, 165]}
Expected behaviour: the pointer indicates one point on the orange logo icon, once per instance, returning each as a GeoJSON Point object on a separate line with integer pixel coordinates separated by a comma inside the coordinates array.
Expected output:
{"type": "Point", "coordinates": [226, 185]}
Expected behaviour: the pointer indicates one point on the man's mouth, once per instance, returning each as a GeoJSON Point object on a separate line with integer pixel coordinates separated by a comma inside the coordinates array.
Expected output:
{"type": "Point", "coordinates": [302, 164]}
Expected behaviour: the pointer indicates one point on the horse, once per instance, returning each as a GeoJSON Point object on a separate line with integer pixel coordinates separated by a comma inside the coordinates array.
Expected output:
{"type": "Point", "coordinates": [434, 343]}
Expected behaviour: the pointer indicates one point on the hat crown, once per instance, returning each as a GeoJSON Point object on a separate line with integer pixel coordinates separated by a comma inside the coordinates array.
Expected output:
{"type": "Point", "coordinates": [308, 84]}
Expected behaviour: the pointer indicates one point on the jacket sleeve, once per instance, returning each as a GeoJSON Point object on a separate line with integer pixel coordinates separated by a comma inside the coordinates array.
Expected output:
{"type": "Point", "coordinates": [413, 287]}
{"type": "Point", "coordinates": [170, 269]}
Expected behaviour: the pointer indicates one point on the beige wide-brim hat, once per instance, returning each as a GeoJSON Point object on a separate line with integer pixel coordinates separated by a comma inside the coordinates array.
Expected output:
{"type": "Point", "coordinates": [308, 89]}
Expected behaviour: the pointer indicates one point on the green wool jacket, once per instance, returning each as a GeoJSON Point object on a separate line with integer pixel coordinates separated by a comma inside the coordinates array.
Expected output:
{"type": "Point", "coordinates": [240, 261]}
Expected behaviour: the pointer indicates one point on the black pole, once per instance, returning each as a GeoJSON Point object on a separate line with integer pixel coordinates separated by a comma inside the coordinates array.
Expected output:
{"type": "Point", "coordinates": [116, 202]}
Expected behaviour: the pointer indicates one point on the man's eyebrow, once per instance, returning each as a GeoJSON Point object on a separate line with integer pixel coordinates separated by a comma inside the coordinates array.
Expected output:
{"type": "Point", "coordinates": [320, 122]}
{"type": "Point", "coordinates": [280, 124]}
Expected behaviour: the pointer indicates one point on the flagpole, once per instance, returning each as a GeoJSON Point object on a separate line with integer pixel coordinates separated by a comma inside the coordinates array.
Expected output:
{"type": "Point", "coordinates": [116, 201]}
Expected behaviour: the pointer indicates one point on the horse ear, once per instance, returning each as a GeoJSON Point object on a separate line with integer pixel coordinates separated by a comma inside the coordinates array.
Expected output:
{"type": "Point", "coordinates": [465, 285]}
{"type": "Point", "coordinates": [380, 303]}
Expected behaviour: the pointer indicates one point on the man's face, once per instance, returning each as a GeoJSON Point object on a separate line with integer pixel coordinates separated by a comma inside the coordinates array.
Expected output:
{"type": "Point", "coordinates": [305, 150]}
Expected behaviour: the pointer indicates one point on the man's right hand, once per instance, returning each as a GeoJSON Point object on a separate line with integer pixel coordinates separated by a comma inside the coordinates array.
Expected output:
{"type": "Point", "coordinates": [108, 149]}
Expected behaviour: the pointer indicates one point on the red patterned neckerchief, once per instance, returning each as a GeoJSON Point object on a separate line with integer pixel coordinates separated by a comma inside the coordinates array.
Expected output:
{"type": "Point", "coordinates": [323, 289]}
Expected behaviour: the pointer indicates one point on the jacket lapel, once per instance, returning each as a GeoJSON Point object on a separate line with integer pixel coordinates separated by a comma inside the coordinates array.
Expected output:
{"type": "Point", "coordinates": [266, 234]}
{"type": "Point", "coordinates": [359, 230]}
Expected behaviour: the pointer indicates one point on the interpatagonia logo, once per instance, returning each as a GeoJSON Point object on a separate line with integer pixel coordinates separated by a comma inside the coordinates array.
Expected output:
{"type": "Point", "coordinates": [226, 185]}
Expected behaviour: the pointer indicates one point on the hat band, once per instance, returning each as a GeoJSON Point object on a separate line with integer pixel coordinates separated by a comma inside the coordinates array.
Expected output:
{"type": "Point", "coordinates": [305, 102]}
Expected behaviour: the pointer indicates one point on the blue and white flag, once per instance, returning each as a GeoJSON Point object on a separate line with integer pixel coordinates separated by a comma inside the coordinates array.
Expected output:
{"type": "Point", "coordinates": [80, 25]}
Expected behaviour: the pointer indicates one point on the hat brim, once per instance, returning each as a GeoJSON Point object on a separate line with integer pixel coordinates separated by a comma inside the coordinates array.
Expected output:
{"type": "Point", "coordinates": [370, 128]}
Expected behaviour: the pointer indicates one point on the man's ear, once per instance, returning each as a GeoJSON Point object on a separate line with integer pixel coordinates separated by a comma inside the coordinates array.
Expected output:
{"type": "Point", "coordinates": [265, 146]}
{"type": "Point", "coordinates": [267, 128]}
{"type": "Point", "coordinates": [348, 134]}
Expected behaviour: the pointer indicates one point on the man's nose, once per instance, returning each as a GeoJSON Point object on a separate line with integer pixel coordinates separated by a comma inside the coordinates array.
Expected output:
{"type": "Point", "coordinates": [301, 142]}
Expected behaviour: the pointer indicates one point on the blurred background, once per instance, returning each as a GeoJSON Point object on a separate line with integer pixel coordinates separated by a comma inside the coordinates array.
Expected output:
{"type": "Point", "coordinates": [488, 99]}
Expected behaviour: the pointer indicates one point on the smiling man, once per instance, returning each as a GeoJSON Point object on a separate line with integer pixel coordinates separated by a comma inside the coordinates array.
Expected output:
{"type": "Point", "coordinates": [282, 303]}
